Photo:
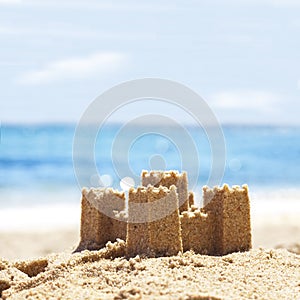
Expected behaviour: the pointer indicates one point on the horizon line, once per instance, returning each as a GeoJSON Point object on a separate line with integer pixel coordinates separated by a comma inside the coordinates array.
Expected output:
{"type": "Point", "coordinates": [116, 123]}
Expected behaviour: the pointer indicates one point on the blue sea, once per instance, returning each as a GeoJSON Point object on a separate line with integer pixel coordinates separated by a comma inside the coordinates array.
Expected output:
{"type": "Point", "coordinates": [39, 158]}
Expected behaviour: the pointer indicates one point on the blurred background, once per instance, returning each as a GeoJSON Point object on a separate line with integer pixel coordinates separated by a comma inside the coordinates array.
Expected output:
{"type": "Point", "coordinates": [56, 57]}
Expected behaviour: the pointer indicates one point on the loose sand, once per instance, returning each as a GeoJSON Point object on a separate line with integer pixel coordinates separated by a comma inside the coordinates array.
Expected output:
{"type": "Point", "coordinates": [257, 274]}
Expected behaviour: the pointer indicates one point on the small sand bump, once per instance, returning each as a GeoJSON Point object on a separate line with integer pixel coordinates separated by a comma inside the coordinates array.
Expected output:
{"type": "Point", "coordinates": [32, 267]}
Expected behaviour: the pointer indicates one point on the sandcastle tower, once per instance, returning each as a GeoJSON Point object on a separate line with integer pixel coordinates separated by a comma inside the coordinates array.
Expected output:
{"type": "Point", "coordinates": [229, 211]}
{"type": "Point", "coordinates": [156, 234]}
{"type": "Point", "coordinates": [102, 218]}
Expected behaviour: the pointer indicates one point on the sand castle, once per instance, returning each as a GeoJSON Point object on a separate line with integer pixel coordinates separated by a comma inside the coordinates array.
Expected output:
{"type": "Point", "coordinates": [162, 219]}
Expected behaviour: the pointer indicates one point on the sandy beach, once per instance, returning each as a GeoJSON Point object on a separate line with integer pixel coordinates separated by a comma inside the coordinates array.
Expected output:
{"type": "Point", "coordinates": [33, 244]}
{"type": "Point", "coordinates": [30, 233]}
{"type": "Point", "coordinates": [269, 271]}
{"type": "Point", "coordinates": [105, 274]}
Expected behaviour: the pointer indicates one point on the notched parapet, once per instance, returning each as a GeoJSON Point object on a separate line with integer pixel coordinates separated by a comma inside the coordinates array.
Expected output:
{"type": "Point", "coordinates": [168, 178]}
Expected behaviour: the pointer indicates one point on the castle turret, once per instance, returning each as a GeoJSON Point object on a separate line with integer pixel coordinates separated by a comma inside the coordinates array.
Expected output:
{"type": "Point", "coordinates": [102, 217]}
{"type": "Point", "coordinates": [229, 209]}
{"type": "Point", "coordinates": [158, 232]}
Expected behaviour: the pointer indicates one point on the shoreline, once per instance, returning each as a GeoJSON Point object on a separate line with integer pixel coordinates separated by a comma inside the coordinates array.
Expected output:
{"type": "Point", "coordinates": [34, 244]}
{"type": "Point", "coordinates": [269, 230]}
{"type": "Point", "coordinates": [65, 211]}
{"type": "Point", "coordinates": [27, 232]}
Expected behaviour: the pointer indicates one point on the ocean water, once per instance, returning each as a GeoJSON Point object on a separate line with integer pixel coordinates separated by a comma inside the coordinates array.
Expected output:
{"type": "Point", "coordinates": [36, 161]}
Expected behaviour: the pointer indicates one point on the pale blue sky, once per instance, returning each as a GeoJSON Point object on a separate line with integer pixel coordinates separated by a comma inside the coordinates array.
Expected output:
{"type": "Point", "coordinates": [242, 57]}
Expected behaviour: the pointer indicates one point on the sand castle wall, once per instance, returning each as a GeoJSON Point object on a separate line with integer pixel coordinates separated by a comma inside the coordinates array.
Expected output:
{"type": "Point", "coordinates": [197, 234]}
